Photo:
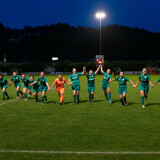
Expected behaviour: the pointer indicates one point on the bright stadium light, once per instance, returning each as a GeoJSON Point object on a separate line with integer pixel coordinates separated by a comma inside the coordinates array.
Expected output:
{"type": "Point", "coordinates": [100, 16]}
{"type": "Point", "coordinates": [54, 58]}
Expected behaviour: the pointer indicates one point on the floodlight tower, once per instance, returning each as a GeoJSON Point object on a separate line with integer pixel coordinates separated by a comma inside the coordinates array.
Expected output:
{"type": "Point", "coordinates": [100, 16]}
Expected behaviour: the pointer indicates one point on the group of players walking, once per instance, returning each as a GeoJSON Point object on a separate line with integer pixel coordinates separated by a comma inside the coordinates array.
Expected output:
{"type": "Point", "coordinates": [34, 87]}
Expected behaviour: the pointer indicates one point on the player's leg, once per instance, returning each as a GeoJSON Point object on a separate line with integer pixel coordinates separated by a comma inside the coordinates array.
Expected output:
{"type": "Point", "coordinates": [25, 93]}
{"type": "Point", "coordinates": [61, 95]}
{"type": "Point", "coordinates": [78, 92]}
{"type": "Point", "coordinates": [124, 98]}
{"type": "Point", "coordinates": [120, 91]}
{"type": "Point", "coordinates": [74, 95]}
{"type": "Point", "coordinates": [109, 93]}
{"type": "Point", "coordinates": [42, 98]}
{"type": "Point", "coordinates": [29, 90]}
{"type": "Point", "coordinates": [17, 89]}
{"type": "Point", "coordinates": [89, 92]}
{"type": "Point", "coordinates": [92, 92]}
{"type": "Point", "coordinates": [146, 89]}
{"type": "Point", "coordinates": [142, 98]}
{"type": "Point", "coordinates": [4, 92]}
{"type": "Point", "coordinates": [105, 91]}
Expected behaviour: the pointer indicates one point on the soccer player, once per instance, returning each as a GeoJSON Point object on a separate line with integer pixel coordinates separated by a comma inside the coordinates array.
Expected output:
{"type": "Point", "coordinates": [44, 86]}
{"type": "Point", "coordinates": [36, 88]}
{"type": "Point", "coordinates": [91, 82]}
{"type": "Point", "coordinates": [26, 85]}
{"type": "Point", "coordinates": [123, 87]}
{"type": "Point", "coordinates": [3, 85]}
{"type": "Point", "coordinates": [106, 83]}
{"type": "Point", "coordinates": [74, 77]}
{"type": "Point", "coordinates": [144, 86]}
{"type": "Point", "coordinates": [17, 84]}
{"type": "Point", "coordinates": [59, 82]}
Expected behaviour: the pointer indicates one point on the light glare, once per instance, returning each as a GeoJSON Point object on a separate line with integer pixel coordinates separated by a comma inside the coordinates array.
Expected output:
{"type": "Point", "coordinates": [100, 15]}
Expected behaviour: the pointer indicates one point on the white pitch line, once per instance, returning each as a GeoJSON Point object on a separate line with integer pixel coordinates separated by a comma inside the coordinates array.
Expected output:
{"type": "Point", "coordinates": [8, 102]}
{"type": "Point", "coordinates": [79, 152]}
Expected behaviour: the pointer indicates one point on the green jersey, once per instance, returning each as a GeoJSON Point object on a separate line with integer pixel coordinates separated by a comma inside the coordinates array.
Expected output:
{"type": "Point", "coordinates": [91, 80]}
{"type": "Point", "coordinates": [75, 79]}
{"type": "Point", "coordinates": [36, 85]}
{"type": "Point", "coordinates": [16, 79]}
{"type": "Point", "coordinates": [3, 82]}
{"type": "Point", "coordinates": [144, 79]}
{"type": "Point", "coordinates": [42, 81]}
{"type": "Point", "coordinates": [106, 78]}
{"type": "Point", "coordinates": [122, 82]}
{"type": "Point", "coordinates": [25, 81]}
{"type": "Point", "coordinates": [158, 80]}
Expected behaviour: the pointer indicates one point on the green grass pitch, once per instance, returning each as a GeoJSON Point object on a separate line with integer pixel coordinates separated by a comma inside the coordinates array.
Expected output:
{"type": "Point", "coordinates": [89, 127]}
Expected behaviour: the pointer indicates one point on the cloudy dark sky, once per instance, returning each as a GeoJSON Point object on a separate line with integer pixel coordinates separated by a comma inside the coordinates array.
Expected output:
{"type": "Point", "coordinates": [135, 13]}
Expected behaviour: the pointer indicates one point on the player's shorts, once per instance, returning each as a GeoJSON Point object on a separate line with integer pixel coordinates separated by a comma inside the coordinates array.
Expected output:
{"type": "Point", "coordinates": [60, 91]}
{"type": "Point", "coordinates": [5, 86]}
{"type": "Point", "coordinates": [122, 90]}
{"type": "Point", "coordinates": [35, 90]}
{"type": "Point", "coordinates": [144, 88]}
{"type": "Point", "coordinates": [27, 86]}
{"type": "Point", "coordinates": [17, 84]}
{"type": "Point", "coordinates": [105, 86]}
{"type": "Point", "coordinates": [76, 88]}
{"type": "Point", "coordinates": [43, 89]}
{"type": "Point", "coordinates": [90, 89]}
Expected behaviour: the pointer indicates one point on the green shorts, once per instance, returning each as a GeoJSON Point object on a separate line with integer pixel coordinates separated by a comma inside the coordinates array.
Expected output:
{"type": "Point", "coordinates": [17, 84]}
{"type": "Point", "coordinates": [35, 90]}
{"type": "Point", "coordinates": [144, 88]}
{"type": "Point", "coordinates": [27, 86]}
{"type": "Point", "coordinates": [105, 86]}
{"type": "Point", "coordinates": [5, 86]}
{"type": "Point", "coordinates": [122, 90]}
{"type": "Point", "coordinates": [91, 89]}
{"type": "Point", "coordinates": [45, 88]}
{"type": "Point", "coordinates": [76, 88]}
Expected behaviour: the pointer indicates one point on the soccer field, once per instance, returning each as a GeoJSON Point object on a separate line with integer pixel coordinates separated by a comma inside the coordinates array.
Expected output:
{"type": "Point", "coordinates": [96, 130]}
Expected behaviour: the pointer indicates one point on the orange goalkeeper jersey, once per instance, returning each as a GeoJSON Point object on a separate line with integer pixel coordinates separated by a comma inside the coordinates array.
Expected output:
{"type": "Point", "coordinates": [59, 83]}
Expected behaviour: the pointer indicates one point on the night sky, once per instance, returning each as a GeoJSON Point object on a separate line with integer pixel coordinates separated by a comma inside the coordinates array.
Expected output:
{"type": "Point", "coordinates": [135, 13]}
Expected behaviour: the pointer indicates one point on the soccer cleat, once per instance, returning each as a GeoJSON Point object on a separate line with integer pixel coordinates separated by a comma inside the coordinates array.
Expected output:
{"type": "Point", "coordinates": [17, 97]}
{"type": "Point", "coordinates": [110, 101]}
{"type": "Point", "coordinates": [126, 104]}
{"type": "Point", "coordinates": [3, 99]}
{"type": "Point", "coordinates": [42, 104]}
{"type": "Point", "coordinates": [60, 104]}
{"type": "Point", "coordinates": [8, 97]}
{"type": "Point", "coordinates": [26, 99]}
{"type": "Point", "coordinates": [143, 106]}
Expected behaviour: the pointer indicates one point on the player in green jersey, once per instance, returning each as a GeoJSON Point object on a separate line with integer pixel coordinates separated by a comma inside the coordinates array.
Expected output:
{"type": "Point", "coordinates": [35, 89]}
{"type": "Point", "coordinates": [26, 85]}
{"type": "Point", "coordinates": [17, 84]}
{"type": "Point", "coordinates": [123, 87]}
{"type": "Point", "coordinates": [74, 77]}
{"type": "Point", "coordinates": [44, 86]}
{"type": "Point", "coordinates": [106, 83]}
{"type": "Point", "coordinates": [144, 86]}
{"type": "Point", "coordinates": [91, 82]}
{"type": "Point", "coordinates": [3, 85]}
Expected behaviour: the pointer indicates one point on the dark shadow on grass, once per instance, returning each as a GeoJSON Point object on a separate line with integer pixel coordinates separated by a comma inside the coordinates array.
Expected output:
{"type": "Point", "coordinates": [98, 100]}
{"type": "Point", "coordinates": [152, 104]}
{"type": "Point", "coordinates": [67, 102]}
{"type": "Point", "coordinates": [48, 102]}
{"type": "Point", "coordinates": [83, 101]}
{"type": "Point", "coordinates": [115, 101]}
{"type": "Point", "coordinates": [132, 103]}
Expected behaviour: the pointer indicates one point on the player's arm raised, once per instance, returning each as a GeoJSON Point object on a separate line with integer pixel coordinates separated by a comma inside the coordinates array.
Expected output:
{"type": "Point", "coordinates": [84, 70]}
{"type": "Point", "coordinates": [101, 68]}
{"type": "Point", "coordinates": [97, 70]}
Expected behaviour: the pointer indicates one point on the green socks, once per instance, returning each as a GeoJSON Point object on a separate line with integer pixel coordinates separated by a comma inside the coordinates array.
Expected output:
{"type": "Point", "coordinates": [74, 98]}
{"type": "Point", "coordinates": [122, 101]}
{"type": "Point", "coordinates": [42, 99]}
{"type": "Point", "coordinates": [109, 94]}
{"type": "Point", "coordinates": [90, 98]}
{"type": "Point", "coordinates": [142, 100]}
{"type": "Point", "coordinates": [18, 93]}
{"type": "Point", "coordinates": [106, 96]}
{"type": "Point", "coordinates": [4, 95]}
{"type": "Point", "coordinates": [25, 95]}
{"type": "Point", "coordinates": [78, 98]}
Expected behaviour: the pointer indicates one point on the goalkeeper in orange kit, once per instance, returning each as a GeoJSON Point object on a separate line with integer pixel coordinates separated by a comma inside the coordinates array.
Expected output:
{"type": "Point", "coordinates": [59, 82]}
